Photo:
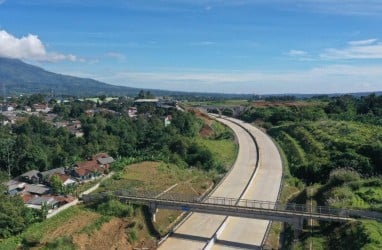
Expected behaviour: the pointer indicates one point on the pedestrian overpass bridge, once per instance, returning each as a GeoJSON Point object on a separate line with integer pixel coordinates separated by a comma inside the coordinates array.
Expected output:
{"type": "Point", "coordinates": [290, 212]}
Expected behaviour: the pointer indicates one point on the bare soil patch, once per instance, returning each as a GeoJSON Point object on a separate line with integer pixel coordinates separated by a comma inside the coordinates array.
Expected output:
{"type": "Point", "coordinates": [206, 131]}
{"type": "Point", "coordinates": [72, 226]}
{"type": "Point", "coordinates": [207, 120]}
{"type": "Point", "coordinates": [112, 235]}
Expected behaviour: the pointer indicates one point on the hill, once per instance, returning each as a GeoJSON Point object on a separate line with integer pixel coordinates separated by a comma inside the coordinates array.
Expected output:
{"type": "Point", "coordinates": [23, 78]}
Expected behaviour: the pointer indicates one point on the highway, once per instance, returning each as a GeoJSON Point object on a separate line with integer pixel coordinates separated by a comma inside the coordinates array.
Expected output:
{"type": "Point", "coordinates": [265, 186]}
{"type": "Point", "coordinates": [198, 230]}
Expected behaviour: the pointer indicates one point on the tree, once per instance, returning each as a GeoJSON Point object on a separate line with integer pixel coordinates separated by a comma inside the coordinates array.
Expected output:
{"type": "Point", "coordinates": [14, 216]}
{"type": "Point", "coordinates": [7, 154]}
{"type": "Point", "coordinates": [56, 184]}
{"type": "Point", "coordinates": [141, 95]}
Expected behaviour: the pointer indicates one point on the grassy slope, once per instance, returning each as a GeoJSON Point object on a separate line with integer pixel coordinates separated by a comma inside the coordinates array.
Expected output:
{"type": "Point", "coordinates": [326, 136]}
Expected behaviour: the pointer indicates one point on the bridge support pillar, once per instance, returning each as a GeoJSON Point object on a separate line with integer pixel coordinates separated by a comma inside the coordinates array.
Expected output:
{"type": "Point", "coordinates": [298, 225]}
{"type": "Point", "coordinates": [153, 209]}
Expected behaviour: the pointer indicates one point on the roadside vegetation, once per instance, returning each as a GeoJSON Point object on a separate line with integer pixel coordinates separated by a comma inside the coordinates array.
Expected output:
{"type": "Point", "coordinates": [333, 156]}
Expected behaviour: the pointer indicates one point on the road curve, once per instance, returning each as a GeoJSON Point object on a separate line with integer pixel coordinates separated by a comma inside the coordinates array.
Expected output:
{"type": "Point", "coordinates": [198, 230]}
{"type": "Point", "coordinates": [249, 233]}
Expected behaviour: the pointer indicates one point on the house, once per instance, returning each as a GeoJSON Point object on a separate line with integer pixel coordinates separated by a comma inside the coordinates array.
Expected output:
{"type": "Point", "coordinates": [14, 187]}
{"type": "Point", "coordinates": [47, 174]}
{"type": "Point", "coordinates": [166, 105]}
{"type": "Point", "coordinates": [27, 109]}
{"type": "Point", "coordinates": [87, 173]}
{"type": "Point", "coordinates": [66, 179]}
{"type": "Point", "coordinates": [96, 166]}
{"type": "Point", "coordinates": [10, 117]}
{"type": "Point", "coordinates": [37, 189]}
{"type": "Point", "coordinates": [139, 101]}
{"type": "Point", "coordinates": [104, 160]}
{"type": "Point", "coordinates": [38, 202]}
{"type": "Point", "coordinates": [61, 124]}
{"type": "Point", "coordinates": [31, 176]}
{"type": "Point", "coordinates": [132, 112]}
{"type": "Point", "coordinates": [75, 129]}
{"type": "Point", "coordinates": [41, 108]}
{"type": "Point", "coordinates": [167, 120]}
{"type": "Point", "coordinates": [87, 170]}
{"type": "Point", "coordinates": [60, 172]}
{"type": "Point", "coordinates": [10, 108]}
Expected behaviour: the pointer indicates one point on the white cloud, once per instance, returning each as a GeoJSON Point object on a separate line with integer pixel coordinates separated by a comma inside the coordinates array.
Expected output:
{"type": "Point", "coordinates": [28, 47]}
{"type": "Point", "coordinates": [363, 42]}
{"type": "Point", "coordinates": [115, 55]}
{"type": "Point", "coordinates": [325, 79]}
{"type": "Point", "coordinates": [365, 49]}
{"type": "Point", "coordinates": [2, 1]}
{"type": "Point", "coordinates": [297, 53]}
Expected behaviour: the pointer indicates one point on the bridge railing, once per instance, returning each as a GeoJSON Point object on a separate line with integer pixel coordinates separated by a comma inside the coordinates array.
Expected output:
{"type": "Point", "coordinates": [232, 202]}
{"type": "Point", "coordinates": [293, 207]}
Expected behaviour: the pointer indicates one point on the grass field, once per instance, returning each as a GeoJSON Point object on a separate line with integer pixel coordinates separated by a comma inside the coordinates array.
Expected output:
{"type": "Point", "coordinates": [224, 151]}
{"type": "Point", "coordinates": [158, 177]}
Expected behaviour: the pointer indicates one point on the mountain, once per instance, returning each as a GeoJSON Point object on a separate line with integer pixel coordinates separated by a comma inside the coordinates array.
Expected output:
{"type": "Point", "coordinates": [22, 78]}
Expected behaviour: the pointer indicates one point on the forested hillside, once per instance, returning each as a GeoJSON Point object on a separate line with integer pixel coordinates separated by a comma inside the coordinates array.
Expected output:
{"type": "Point", "coordinates": [34, 143]}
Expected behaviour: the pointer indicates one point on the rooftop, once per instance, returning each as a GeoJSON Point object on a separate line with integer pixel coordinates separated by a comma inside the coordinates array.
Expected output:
{"type": "Point", "coordinates": [37, 189]}
{"type": "Point", "coordinates": [30, 173]}
{"type": "Point", "coordinates": [53, 171]}
{"type": "Point", "coordinates": [105, 160]}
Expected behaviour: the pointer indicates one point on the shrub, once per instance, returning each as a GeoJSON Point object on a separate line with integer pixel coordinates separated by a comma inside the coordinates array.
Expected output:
{"type": "Point", "coordinates": [117, 176]}
{"type": "Point", "coordinates": [132, 235]}
{"type": "Point", "coordinates": [32, 238]}
{"type": "Point", "coordinates": [62, 243]}
{"type": "Point", "coordinates": [115, 208]}
{"type": "Point", "coordinates": [340, 176]}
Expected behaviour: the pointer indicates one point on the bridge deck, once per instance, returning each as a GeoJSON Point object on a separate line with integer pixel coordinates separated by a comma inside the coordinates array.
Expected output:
{"type": "Point", "coordinates": [240, 207]}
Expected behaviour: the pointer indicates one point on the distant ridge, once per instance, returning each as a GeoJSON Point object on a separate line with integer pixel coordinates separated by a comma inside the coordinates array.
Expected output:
{"type": "Point", "coordinates": [23, 78]}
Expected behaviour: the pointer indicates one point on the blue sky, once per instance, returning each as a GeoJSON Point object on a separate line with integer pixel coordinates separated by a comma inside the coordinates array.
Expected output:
{"type": "Point", "coordinates": [231, 46]}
